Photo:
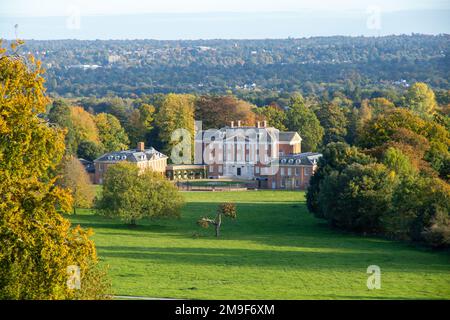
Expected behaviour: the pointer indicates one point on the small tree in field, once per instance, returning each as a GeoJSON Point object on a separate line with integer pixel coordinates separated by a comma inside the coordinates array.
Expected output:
{"type": "Point", "coordinates": [226, 209]}
{"type": "Point", "coordinates": [132, 195]}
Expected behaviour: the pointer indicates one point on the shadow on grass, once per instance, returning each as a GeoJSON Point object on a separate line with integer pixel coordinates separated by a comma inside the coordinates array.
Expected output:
{"type": "Point", "coordinates": [286, 224]}
{"type": "Point", "coordinates": [298, 260]}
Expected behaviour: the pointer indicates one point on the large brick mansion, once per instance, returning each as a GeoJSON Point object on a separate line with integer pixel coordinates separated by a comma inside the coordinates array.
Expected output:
{"type": "Point", "coordinates": [261, 153]}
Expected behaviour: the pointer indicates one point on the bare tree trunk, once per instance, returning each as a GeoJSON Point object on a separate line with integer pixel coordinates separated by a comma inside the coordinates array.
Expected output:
{"type": "Point", "coordinates": [218, 223]}
{"type": "Point", "coordinates": [217, 230]}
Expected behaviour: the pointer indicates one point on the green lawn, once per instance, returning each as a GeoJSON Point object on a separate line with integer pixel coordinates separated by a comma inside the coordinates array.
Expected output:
{"type": "Point", "coordinates": [274, 250]}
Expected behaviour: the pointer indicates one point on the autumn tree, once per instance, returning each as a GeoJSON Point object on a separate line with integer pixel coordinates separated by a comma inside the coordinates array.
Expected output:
{"type": "Point", "coordinates": [408, 128]}
{"type": "Point", "coordinates": [111, 133]}
{"type": "Point", "coordinates": [84, 126]}
{"type": "Point", "coordinates": [303, 120]}
{"type": "Point", "coordinates": [380, 105]}
{"type": "Point", "coordinates": [218, 111]}
{"type": "Point", "coordinates": [140, 123]}
{"type": "Point", "coordinates": [176, 112]}
{"type": "Point", "coordinates": [74, 178]}
{"type": "Point", "coordinates": [421, 99]}
{"type": "Point", "coordinates": [131, 195]}
{"type": "Point", "coordinates": [225, 209]}
{"type": "Point", "coordinates": [37, 243]}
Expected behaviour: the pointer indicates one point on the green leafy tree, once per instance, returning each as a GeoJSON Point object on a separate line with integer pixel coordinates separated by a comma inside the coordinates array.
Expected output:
{"type": "Point", "coordinates": [274, 115]}
{"type": "Point", "coordinates": [132, 195]}
{"type": "Point", "coordinates": [334, 121]}
{"type": "Point", "coordinates": [89, 150]}
{"type": "Point", "coordinates": [60, 114]}
{"type": "Point", "coordinates": [397, 161]}
{"type": "Point", "coordinates": [356, 198]}
{"type": "Point", "coordinates": [420, 211]}
{"type": "Point", "coordinates": [303, 120]}
{"type": "Point", "coordinates": [336, 157]}
{"type": "Point", "coordinates": [111, 133]}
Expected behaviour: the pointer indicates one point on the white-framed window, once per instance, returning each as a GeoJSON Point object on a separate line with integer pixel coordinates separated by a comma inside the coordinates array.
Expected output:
{"type": "Point", "coordinates": [308, 171]}
{"type": "Point", "coordinates": [256, 169]}
{"type": "Point", "coordinates": [282, 184]}
{"type": "Point", "coordinates": [211, 168]}
{"type": "Point", "coordinates": [283, 173]}
{"type": "Point", "coordinates": [297, 171]}
{"type": "Point", "coordinates": [297, 182]}
{"type": "Point", "coordinates": [289, 171]}
{"type": "Point", "coordinates": [220, 169]}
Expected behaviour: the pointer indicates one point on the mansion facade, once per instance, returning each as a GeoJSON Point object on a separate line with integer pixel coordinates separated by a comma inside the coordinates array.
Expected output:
{"type": "Point", "coordinates": [262, 154]}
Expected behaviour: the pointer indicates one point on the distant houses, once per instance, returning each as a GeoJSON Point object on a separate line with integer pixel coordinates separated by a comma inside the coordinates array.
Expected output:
{"type": "Point", "coordinates": [276, 165]}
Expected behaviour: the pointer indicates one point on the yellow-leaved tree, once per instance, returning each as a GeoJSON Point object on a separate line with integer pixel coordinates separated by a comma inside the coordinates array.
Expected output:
{"type": "Point", "coordinates": [40, 253]}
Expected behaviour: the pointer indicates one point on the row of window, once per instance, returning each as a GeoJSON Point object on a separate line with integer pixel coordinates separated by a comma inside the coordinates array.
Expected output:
{"type": "Point", "coordinates": [288, 171]}
{"type": "Point", "coordinates": [283, 171]}
{"type": "Point", "coordinates": [283, 184]}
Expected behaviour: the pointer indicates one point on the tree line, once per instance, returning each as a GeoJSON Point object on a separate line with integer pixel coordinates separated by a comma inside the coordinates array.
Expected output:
{"type": "Point", "coordinates": [310, 66]}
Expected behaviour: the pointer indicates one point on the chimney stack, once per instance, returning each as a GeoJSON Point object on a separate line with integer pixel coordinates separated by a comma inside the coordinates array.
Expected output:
{"type": "Point", "coordinates": [239, 123]}
{"type": "Point", "coordinates": [265, 123]}
{"type": "Point", "coordinates": [258, 124]}
{"type": "Point", "coordinates": [141, 146]}
{"type": "Point", "coordinates": [232, 124]}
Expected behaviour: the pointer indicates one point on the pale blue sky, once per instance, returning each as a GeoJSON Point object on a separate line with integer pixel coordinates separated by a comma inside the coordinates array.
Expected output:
{"type": "Point", "coordinates": [118, 7]}
{"type": "Point", "coordinates": [206, 19]}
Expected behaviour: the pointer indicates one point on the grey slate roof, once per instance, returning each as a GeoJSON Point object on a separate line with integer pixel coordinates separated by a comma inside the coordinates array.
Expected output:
{"type": "Point", "coordinates": [131, 156]}
{"type": "Point", "coordinates": [287, 136]}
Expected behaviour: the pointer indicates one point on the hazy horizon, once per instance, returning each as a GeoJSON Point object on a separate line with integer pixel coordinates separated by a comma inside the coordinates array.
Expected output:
{"type": "Point", "coordinates": [232, 19]}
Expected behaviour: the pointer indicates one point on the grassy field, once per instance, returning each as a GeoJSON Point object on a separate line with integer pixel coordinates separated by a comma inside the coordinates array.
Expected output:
{"type": "Point", "coordinates": [274, 250]}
